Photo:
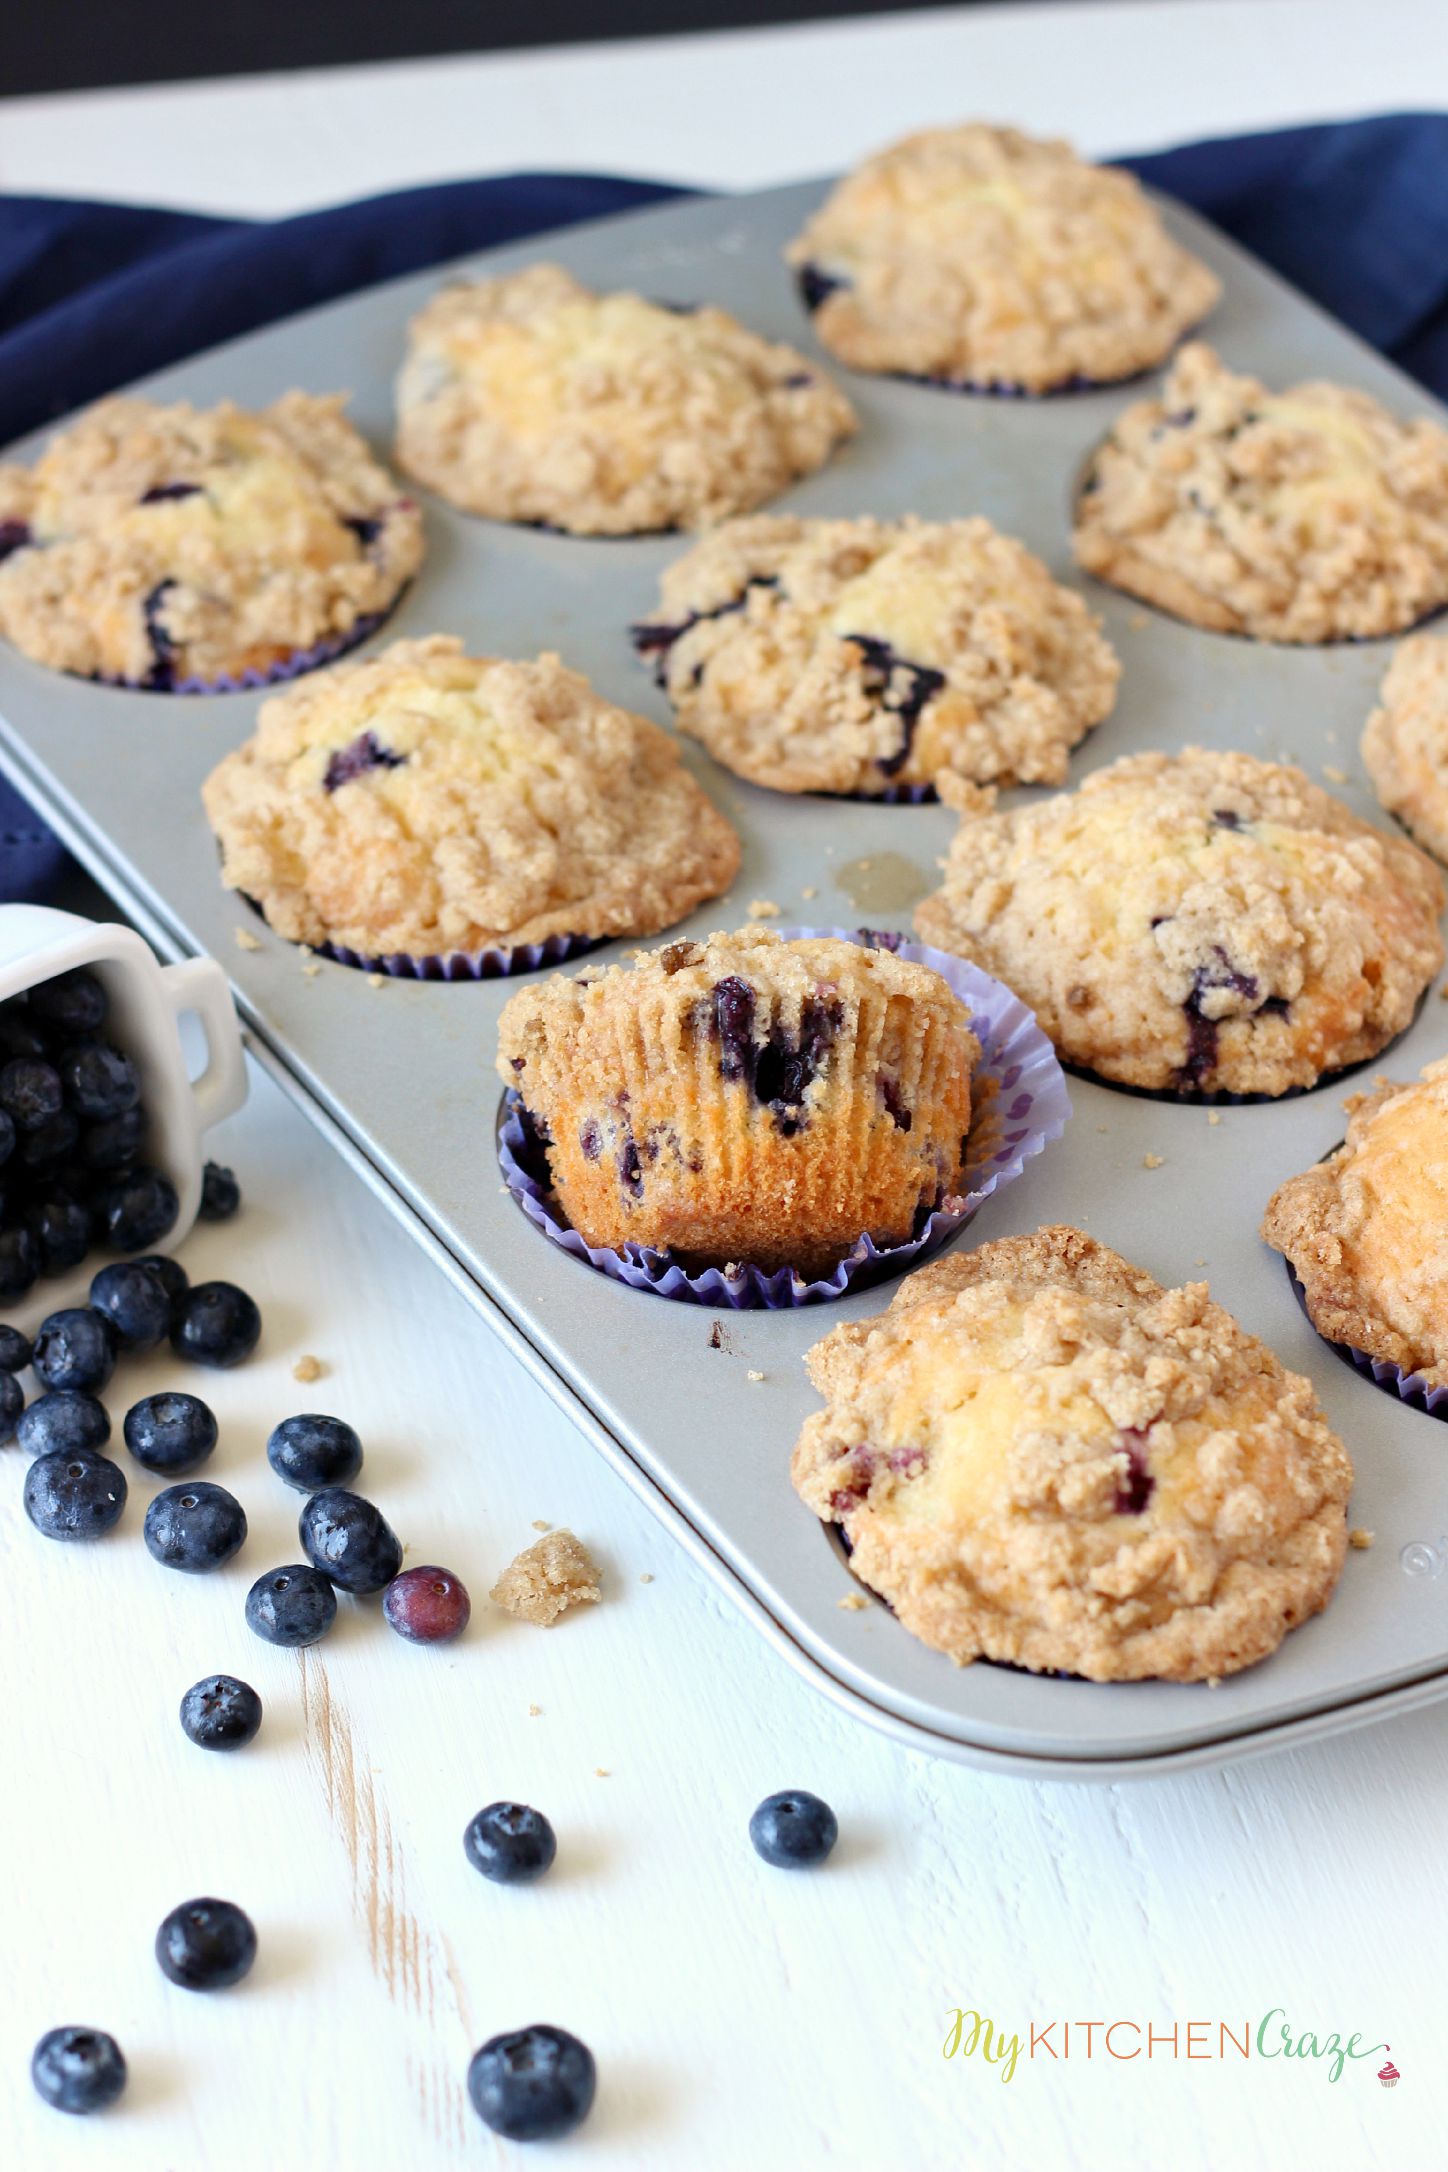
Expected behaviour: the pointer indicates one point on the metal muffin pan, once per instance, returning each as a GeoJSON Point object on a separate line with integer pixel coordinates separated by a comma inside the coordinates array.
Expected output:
{"type": "Point", "coordinates": [400, 1077]}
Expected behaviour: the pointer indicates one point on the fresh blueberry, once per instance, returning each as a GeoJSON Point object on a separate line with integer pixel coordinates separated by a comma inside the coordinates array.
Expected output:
{"type": "Point", "coordinates": [7, 1136]}
{"type": "Point", "coordinates": [311, 1452]}
{"type": "Point", "coordinates": [20, 1033]}
{"type": "Point", "coordinates": [14, 1350]}
{"type": "Point", "coordinates": [99, 1081]}
{"type": "Point", "coordinates": [215, 1324]}
{"type": "Point", "coordinates": [170, 1432]}
{"type": "Point", "coordinates": [137, 1209]}
{"type": "Point", "coordinates": [510, 1843]}
{"type": "Point", "coordinates": [427, 1606]}
{"type": "Point", "coordinates": [794, 1830]}
{"type": "Point", "coordinates": [291, 1606]}
{"type": "Point", "coordinates": [220, 1194]}
{"type": "Point", "coordinates": [116, 1143]}
{"type": "Point", "coordinates": [30, 1092]}
{"type": "Point", "coordinates": [174, 1279]}
{"type": "Point", "coordinates": [220, 1713]}
{"type": "Point", "coordinates": [62, 1229]}
{"type": "Point", "coordinates": [349, 1540]}
{"type": "Point", "coordinates": [532, 2085]}
{"type": "Point", "coordinates": [12, 1402]}
{"type": "Point", "coordinates": [19, 1261]}
{"type": "Point", "coordinates": [78, 1495]}
{"type": "Point", "coordinates": [194, 1527]}
{"type": "Point", "coordinates": [73, 1003]}
{"type": "Point", "coordinates": [62, 1422]}
{"type": "Point", "coordinates": [133, 1298]}
{"type": "Point", "coordinates": [78, 2070]}
{"type": "Point", "coordinates": [75, 1349]}
{"type": "Point", "coordinates": [206, 1945]}
{"type": "Point", "coordinates": [44, 1148]}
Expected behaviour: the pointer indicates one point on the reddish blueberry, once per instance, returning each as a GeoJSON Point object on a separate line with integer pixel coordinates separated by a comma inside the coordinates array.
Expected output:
{"type": "Point", "coordinates": [427, 1606]}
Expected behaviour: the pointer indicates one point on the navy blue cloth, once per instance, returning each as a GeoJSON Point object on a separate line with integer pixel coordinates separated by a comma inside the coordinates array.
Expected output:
{"type": "Point", "coordinates": [91, 295]}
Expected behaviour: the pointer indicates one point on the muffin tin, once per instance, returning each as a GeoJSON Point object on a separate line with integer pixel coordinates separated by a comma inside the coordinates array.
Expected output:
{"type": "Point", "coordinates": [399, 1076]}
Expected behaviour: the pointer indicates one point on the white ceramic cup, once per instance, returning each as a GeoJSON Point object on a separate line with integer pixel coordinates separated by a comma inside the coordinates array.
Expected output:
{"type": "Point", "coordinates": [147, 1003]}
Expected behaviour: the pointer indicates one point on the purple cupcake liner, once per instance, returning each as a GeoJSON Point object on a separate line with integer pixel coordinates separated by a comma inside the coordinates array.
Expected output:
{"type": "Point", "coordinates": [241, 682]}
{"type": "Point", "coordinates": [1409, 1388]}
{"type": "Point", "coordinates": [496, 964]}
{"type": "Point", "coordinates": [1020, 1106]}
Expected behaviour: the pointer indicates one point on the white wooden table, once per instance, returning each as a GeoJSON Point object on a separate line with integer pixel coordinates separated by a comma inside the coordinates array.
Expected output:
{"type": "Point", "coordinates": [741, 2018]}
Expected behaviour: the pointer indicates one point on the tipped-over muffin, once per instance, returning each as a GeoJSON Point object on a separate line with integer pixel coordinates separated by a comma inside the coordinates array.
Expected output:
{"type": "Point", "coordinates": [1307, 515]}
{"type": "Point", "coordinates": [1366, 1231]}
{"type": "Point", "coordinates": [858, 655]}
{"type": "Point", "coordinates": [1192, 922]}
{"type": "Point", "coordinates": [531, 398]}
{"type": "Point", "coordinates": [1405, 741]}
{"type": "Point", "coordinates": [991, 260]}
{"type": "Point", "coordinates": [1039, 1455]}
{"type": "Point", "coordinates": [746, 1098]}
{"type": "Point", "coordinates": [167, 544]}
{"type": "Point", "coordinates": [428, 801]}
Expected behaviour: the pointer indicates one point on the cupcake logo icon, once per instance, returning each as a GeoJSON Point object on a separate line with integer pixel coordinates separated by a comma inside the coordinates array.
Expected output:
{"type": "Point", "coordinates": [1388, 2075]}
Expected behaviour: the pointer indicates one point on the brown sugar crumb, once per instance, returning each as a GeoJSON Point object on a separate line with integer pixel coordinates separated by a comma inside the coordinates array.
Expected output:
{"type": "Point", "coordinates": [245, 940]}
{"type": "Point", "coordinates": [1361, 1539]}
{"type": "Point", "coordinates": [1153, 1161]}
{"type": "Point", "coordinates": [763, 908]}
{"type": "Point", "coordinates": [308, 1368]}
{"type": "Point", "coordinates": [854, 1602]}
{"type": "Point", "coordinates": [535, 1711]}
{"type": "Point", "coordinates": [547, 1578]}
{"type": "Point", "coordinates": [541, 1523]}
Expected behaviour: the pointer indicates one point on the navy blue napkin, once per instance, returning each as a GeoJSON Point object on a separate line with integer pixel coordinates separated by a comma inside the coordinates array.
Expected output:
{"type": "Point", "coordinates": [92, 295]}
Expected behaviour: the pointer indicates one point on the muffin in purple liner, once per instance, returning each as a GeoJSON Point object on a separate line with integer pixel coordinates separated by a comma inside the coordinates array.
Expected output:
{"type": "Point", "coordinates": [1020, 1106]}
{"type": "Point", "coordinates": [875, 659]}
{"type": "Point", "coordinates": [184, 550]}
{"type": "Point", "coordinates": [1408, 1387]}
{"type": "Point", "coordinates": [494, 964]}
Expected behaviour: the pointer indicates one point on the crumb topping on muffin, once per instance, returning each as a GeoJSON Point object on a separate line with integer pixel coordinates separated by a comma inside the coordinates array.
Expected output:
{"type": "Point", "coordinates": [1405, 741]}
{"type": "Point", "coordinates": [427, 801]}
{"type": "Point", "coordinates": [160, 544]}
{"type": "Point", "coordinates": [857, 655]}
{"type": "Point", "coordinates": [1201, 921]}
{"type": "Point", "coordinates": [997, 261]}
{"type": "Point", "coordinates": [1302, 516]}
{"type": "Point", "coordinates": [1039, 1455]}
{"type": "Point", "coordinates": [531, 398]}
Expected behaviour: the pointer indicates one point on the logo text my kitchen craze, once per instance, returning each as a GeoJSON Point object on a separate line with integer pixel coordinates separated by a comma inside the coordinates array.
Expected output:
{"type": "Point", "coordinates": [973, 2035]}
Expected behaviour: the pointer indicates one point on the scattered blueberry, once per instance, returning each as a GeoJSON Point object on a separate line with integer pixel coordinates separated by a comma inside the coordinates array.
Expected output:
{"type": "Point", "coordinates": [75, 1349]}
{"type": "Point", "coordinates": [136, 1209]}
{"type": "Point", "coordinates": [220, 1713]}
{"type": "Point", "coordinates": [19, 1261]}
{"type": "Point", "coordinates": [294, 1605]}
{"type": "Point", "coordinates": [194, 1527]}
{"type": "Point", "coordinates": [216, 1324]}
{"type": "Point", "coordinates": [12, 1402]}
{"type": "Point", "coordinates": [77, 1495]}
{"type": "Point", "coordinates": [115, 1143]}
{"type": "Point", "coordinates": [311, 1452]}
{"type": "Point", "coordinates": [206, 1945]}
{"type": "Point", "coordinates": [132, 1296]}
{"type": "Point", "coordinates": [532, 2085]}
{"type": "Point", "coordinates": [14, 1350]}
{"type": "Point", "coordinates": [170, 1432]}
{"type": "Point", "coordinates": [349, 1540]}
{"type": "Point", "coordinates": [794, 1830]}
{"type": "Point", "coordinates": [510, 1843]}
{"type": "Point", "coordinates": [174, 1279]}
{"type": "Point", "coordinates": [61, 1422]}
{"type": "Point", "coordinates": [99, 1082]}
{"type": "Point", "coordinates": [73, 1003]}
{"type": "Point", "coordinates": [220, 1194]}
{"type": "Point", "coordinates": [427, 1606]}
{"type": "Point", "coordinates": [62, 1229]}
{"type": "Point", "coordinates": [78, 2070]}
{"type": "Point", "coordinates": [30, 1091]}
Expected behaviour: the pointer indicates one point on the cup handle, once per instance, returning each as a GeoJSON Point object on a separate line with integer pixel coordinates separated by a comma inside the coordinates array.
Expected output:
{"type": "Point", "coordinates": [199, 985]}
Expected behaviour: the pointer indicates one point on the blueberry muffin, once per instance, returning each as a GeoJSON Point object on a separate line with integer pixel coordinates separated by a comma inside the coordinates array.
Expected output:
{"type": "Point", "coordinates": [164, 544]}
{"type": "Point", "coordinates": [428, 801]}
{"type": "Point", "coordinates": [530, 398]}
{"type": "Point", "coordinates": [990, 260]}
{"type": "Point", "coordinates": [1405, 742]}
{"type": "Point", "coordinates": [1039, 1455]}
{"type": "Point", "coordinates": [1307, 515]}
{"type": "Point", "coordinates": [857, 655]}
{"type": "Point", "coordinates": [1192, 922]}
{"type": "Point", "coordinates": [1366, 1231]}
{"type": "Point", "coordinates": [747, 1098]}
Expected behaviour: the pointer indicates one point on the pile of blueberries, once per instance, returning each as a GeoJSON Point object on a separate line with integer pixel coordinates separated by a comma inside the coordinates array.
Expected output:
{"type": "Point", "coordinates": [72, 1137]}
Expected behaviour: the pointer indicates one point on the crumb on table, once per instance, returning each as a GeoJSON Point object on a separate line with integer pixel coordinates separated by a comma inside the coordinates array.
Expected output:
{"type": "Point", "coordinates": [810, 890]}
{"type": "Point", "coordinates": [646, 1576]}
{"type": "Point", "coordinates": [1153, 1161]}
{"type": "Point", "coordinates": [245, 940]}
{"type": "Point", "coordinates": [547, 1578]}
{"type": "Point", "coordinates": [541, 1523]}
{"type": "Point", "coordinates": [377, 980]}
{"type": "Point", "coordinates": [854, 1602]}
{"type": "Point", "coordinates": [1334, 776]}
{"type": "Point", "coordinates": [535, 1711]}
{"type": "Point", "coordinates": [308, 1368]}
{"type": "Point", "coordinates": [1213, 1117]}
{"type": "Point", "coordinates": [763, 908]}
{"type": "Point", "coordinates": [310, 969]}
{"type": "Point", "coordinates": [1361, 1539]}
{"type": "Point", "coordinates": [754, 1376]}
